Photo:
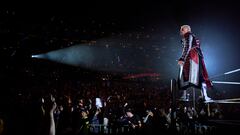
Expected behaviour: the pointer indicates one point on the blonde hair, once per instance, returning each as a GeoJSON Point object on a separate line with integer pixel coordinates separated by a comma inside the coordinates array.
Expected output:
{"type": "Point", "coordinates": [186, 26]}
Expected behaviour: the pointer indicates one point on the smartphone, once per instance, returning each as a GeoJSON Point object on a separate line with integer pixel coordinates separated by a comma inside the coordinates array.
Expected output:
{"type": "Point", "coordinates": [98, 103]}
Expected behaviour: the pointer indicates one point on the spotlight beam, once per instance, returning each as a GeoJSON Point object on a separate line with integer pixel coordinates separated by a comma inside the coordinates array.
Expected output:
{"type": "Point", "coordinates": [34, 56]}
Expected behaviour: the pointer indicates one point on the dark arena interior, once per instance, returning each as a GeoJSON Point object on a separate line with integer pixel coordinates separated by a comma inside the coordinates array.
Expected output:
{"type": "Point", "coordinates": [112, 68]}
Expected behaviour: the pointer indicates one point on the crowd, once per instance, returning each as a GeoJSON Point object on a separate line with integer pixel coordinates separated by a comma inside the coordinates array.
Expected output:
{"type": "Point", "coordinates": [106, 108]}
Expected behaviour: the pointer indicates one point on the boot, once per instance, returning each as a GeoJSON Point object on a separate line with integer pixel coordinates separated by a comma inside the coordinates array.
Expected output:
{"type": "Point", "coordinates": [204, 92]}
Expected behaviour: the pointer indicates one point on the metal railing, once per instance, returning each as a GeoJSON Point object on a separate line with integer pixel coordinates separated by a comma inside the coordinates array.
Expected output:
{"type": "Point", "coordinates": [196, 129]}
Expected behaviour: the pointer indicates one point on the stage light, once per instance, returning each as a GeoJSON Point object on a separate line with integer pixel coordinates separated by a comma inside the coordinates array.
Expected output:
{"type": "Point", "coordinates": [35, 56]}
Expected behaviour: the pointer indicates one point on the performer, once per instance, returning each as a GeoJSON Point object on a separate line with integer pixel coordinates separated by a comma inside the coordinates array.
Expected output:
{"type": "Point", "coordinates": [193, 72]}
